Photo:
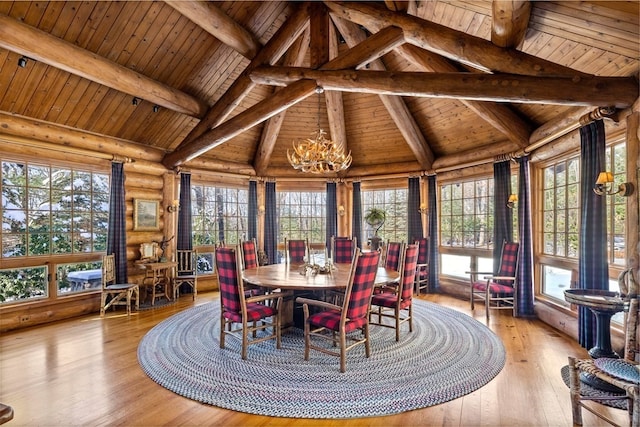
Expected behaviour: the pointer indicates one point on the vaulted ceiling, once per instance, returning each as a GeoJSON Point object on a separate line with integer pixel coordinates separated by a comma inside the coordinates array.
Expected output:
{"type": "Point", "coordinates": [228, 86]}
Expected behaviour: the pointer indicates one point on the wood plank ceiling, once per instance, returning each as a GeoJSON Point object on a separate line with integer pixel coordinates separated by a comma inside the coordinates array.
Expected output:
{"type": "Point", "coordinates": [408, 85]}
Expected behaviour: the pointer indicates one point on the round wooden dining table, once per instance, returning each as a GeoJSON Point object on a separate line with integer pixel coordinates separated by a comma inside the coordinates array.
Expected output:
{"type": "Point", "coordinates": [288, 277]}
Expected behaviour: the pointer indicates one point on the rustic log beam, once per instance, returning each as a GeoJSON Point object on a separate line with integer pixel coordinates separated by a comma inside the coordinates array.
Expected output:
{"type": "Point", "coordinates": [211, 164]}
{"type": "Point", "coordinates": [510, 19]}
{"type": "Point", "coordinates": [44, 47]}
{"type": "Point", "coordinates": [217, 23]}
{"type": "Point", "coordinates": [561, 90]}
{"type": "Point", "coordinates": [295, 56]}
{"type": "Point", "coordinates": [395, 105]}
{"type": "Point", "coordinates": [269, 54]}
{"type": "Point", "coordinates": [456, 45]}
{"type": "Point", "coordinates": [383, 169]}
{"type": "Point", "coordinates": [474, 156]}
{"type": "Point", "coordinates": [500, 116]}
{"type": "Point", "coordinates": [64, 136]}
{"type": "Point", "coordinates": [258, 113]}
{"type": "Point", "coordinates": [334, 104]}
{"type": "Point", "coordinates": [319, 25]}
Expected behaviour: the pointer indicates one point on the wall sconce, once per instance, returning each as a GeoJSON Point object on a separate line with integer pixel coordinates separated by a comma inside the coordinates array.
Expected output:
{"type": "Point", "coordinates": [261, 210]}
{"type": "Point", "coordinates": [341, 210]}
{"type": "Point", "coordinates": [513, 199]}
{"type": "Point", "coordinates": [604, 186]}
{"type": "Point", "coordinates": [22, 62]}
{"type": "Point", "coordinates": [423, 208]}
{"type": "Point", "coordinates": [174, 206]}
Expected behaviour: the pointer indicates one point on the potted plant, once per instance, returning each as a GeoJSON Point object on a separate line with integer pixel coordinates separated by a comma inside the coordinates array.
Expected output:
{"type": "Point", "coordinates": [375, 218]}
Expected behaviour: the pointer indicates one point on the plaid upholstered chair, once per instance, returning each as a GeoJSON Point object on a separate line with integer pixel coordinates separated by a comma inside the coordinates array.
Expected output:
{"type": "Point", "coordinates": [343, 249]}
{"type": "Point", "coordinates": [397, 305]}
{"type": "Point", "coordinates": [242, 316]}
{"type": "Point", "coordinates": [249, 250]}
{"type": "Point", "coordinates": [497, 291]}
{"type": "Point", "coordinates": [422, 269]}
{"type": "Point", "coordinates": [343, 326]}
{"type": "Point", "coordinates": [297, 251]}
{"type": "Point", "coordinates": [392, 255]}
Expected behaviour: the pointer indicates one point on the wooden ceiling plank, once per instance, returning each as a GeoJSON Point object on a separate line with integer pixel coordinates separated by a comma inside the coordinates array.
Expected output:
{"type": "Point", "coordinates": [456, 45]}
{"type": "Point", "coordinates": [620, 92]}
{"type": "Point", "coordinates": [217, 23]}
{"type": "Point", "coordinates": [271, 52]}
{"type": "Point", "coordinates": [260, 112]}
{"type": "Point", "coordinates": [499, 116]}
{"type": "Point", "coordinates": [510, 22]}
{"type": "Point", "coordinates": [56, 52]}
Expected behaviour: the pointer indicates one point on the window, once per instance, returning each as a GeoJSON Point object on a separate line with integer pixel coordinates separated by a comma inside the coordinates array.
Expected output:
{"type": "Point", "coordinates": [561, 221]}
{"type": "Point", "coordinates": [394, 204]}
{"type": "Point", "coordinates": [49, 210]}
{"type": "Point", "coordinates": [218, 214]}
{"type": "Point", "coordinates": [302, 215]}
{"type": "Point", "coordinates": [466, 214]}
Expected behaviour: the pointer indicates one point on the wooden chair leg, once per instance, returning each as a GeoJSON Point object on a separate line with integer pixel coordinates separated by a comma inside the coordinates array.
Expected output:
{"type": "Point", "coordinates": [574, 387]}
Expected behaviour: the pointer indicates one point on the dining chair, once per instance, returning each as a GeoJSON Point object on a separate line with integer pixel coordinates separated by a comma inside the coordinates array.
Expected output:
{"type": "Point", "coordinates": [116, 293]}
{"type": "Point", "coordinates": [344, 326]}
{"type": "Point", "coordinates": [623, 374]}
{"type": "Point", "coordinates": [242, 316]}
{"type": "Point", "coordinates": [297, 251]}
{"type": "Point", "coordinates": [392, 255]}
{"type": "Point", "coordinates": [249, 250]}
{"type": "Point", "coordinates": [422, 269]}
{"type": "Point", "coordinates": [343, 249]}
{"type": "Point", "coordinates": [397, 305]}
{"type": "Point", "coordinates": [498, 291]}
{"type": "Point", "coordinates": [186, 271]}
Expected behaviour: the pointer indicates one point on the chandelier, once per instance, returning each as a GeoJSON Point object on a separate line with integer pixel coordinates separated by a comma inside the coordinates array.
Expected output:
{"type": "Point", "coordinates": [318, 154]}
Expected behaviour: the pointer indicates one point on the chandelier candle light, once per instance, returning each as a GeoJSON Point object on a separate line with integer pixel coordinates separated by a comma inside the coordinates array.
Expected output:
{"type": "Point", "coordinates": [318, 154]}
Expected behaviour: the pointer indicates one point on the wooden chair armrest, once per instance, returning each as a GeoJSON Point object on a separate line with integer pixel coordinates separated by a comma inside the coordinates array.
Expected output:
{"type": "Point", "coordinates": [500, 278]}
{"type": "Point", "coordinates": [478, 272]}
{"type": "Point", "coordinates": [318, 303]}
{"type": "Point", "coordinates": [265, 297]}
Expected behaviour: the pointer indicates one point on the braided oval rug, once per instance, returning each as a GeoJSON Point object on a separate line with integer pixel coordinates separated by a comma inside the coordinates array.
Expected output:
{"type": "Point", "coordinates": [448, 355]}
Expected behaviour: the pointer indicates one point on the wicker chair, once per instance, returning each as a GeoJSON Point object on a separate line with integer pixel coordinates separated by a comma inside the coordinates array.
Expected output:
{"type": "Point", "coordinates": [250, 313]}
{"type": "Point", "coordinates": [116, 293]}
{"type": "Point", "coordinates": [398, 305]}
{"type": "Point", "coordinates": [616, 372]}
{"type": "Point", "coordinates": [497, 291]}
{"type": "Point", "coordinates": [344, 326]}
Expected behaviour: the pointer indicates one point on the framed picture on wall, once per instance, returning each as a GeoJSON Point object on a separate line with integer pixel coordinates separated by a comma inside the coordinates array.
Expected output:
{"type": "Point", "coordinates": [146, 215]}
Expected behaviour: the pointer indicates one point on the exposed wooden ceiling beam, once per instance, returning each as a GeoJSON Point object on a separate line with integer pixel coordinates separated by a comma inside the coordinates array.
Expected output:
{"type": "Point", "coordinates": [500, 116]}
{"type": "Point", "coordinates": [58, 53]}
{"type": "Point", "coordinates": [217, 23]}
{"type": "Point", "coordinates": [258, 113]}
{"type": "Point", "coordinates": [269, 54]}
{"type": "Point", "coordinates": [445, 41]}
{"type": "Point", "coordinates": [562, 90]}
{"type": "Point", "coordinates": [510, 19]}
{"type": "Point", "coordinates": [295, 56]}
{"type": "Point", "coordinates": [395, 105]}
{"type": "Point", "coordinates": [334, 102]}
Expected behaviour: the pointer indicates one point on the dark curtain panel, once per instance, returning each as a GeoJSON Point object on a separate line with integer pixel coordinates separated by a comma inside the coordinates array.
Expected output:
{"type": "Point", "coordinates": [356, 221]}
{"type": "Point", "coordinates": [434, 239]}
{"type": "Point", "coordinates": [185, 238]}
{"type": "Point", "coordinates": [252, 220]}
{"type": "Point", "coordinates": [270, 223]}
{"type": "Point", "coordinates": [332, 215]}
{"type": "Point", "coordinates": [117, 236]}
{"type": "Point", "coordinates": [592, 260]}
{"type": "Point", "coordinates": [524, 303]}
{"type": "Point", "coordinates": [503, 216]}
{"type": "Point", "coordinates": [414, 217]}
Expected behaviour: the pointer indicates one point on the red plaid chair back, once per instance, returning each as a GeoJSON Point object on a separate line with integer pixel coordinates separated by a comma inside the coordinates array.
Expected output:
{"type": "Point", "coordinates": [508, 262]}
{"type": "Point", "coordinates": [407, 277]}
{"type": "Point", "coordinates": [343, 250]}
{"type": "Point", "coordinates": [423, 250]}
{"type": "Point", "coordinates": [360, 289]}
{"type": "Point", "coordinates": [250, 254]}
{"type": "Point", "coordinates": [297, 250]}
{"type": "Point", "coordinates": [392, 259]}
{"type": "Point", "coordinates": [229, 279]}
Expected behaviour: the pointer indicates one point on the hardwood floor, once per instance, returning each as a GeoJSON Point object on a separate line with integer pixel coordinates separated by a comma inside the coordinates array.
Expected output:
{"type": "Point", "coordinates": [85, 371]}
